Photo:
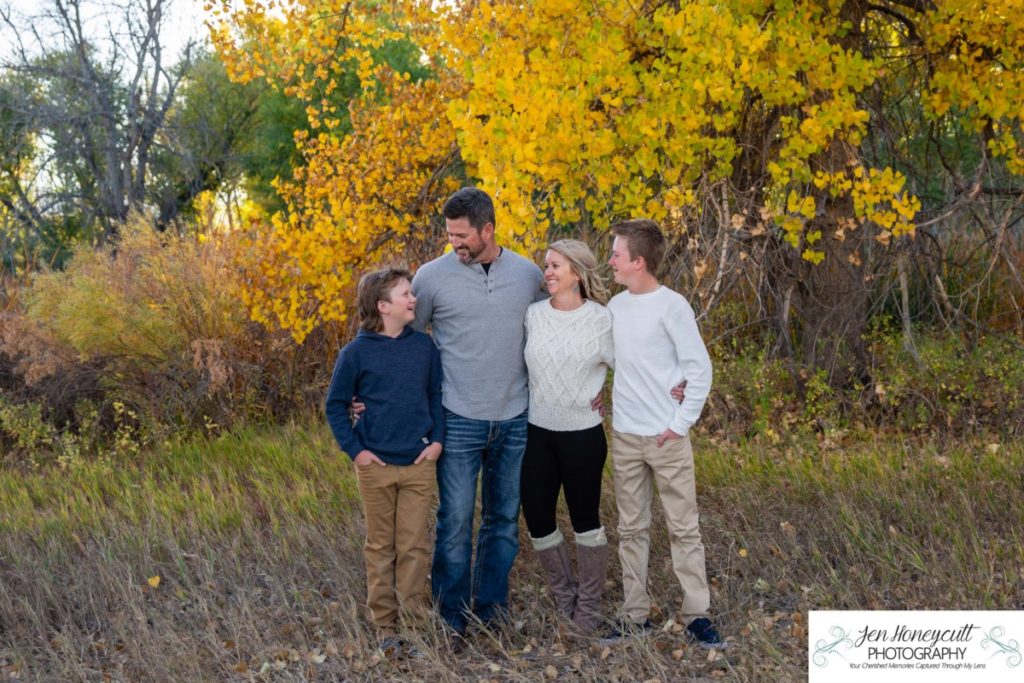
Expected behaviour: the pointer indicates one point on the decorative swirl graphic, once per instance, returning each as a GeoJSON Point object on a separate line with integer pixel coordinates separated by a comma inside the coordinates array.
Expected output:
{"type": "Point", "coordinates": [1011, 648]}
{"type": "Point", "coordinates": [824, 648]}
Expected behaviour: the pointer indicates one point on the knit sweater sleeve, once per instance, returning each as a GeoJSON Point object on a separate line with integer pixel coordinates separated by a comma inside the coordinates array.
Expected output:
{"type": "Point", "coordinates": [339, 397]}
{"type": "Point", "coordinates": [607, 340]}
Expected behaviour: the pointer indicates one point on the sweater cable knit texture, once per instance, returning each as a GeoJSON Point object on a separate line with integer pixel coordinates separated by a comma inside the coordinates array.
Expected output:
{"type": "Point", "coordinates": [568, 354]}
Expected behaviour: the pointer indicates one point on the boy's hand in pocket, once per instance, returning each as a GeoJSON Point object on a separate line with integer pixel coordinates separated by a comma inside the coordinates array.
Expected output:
{"type": "Point", "coordinates": [431, 453]}
{"type": "Point", "coordinates": [365, 457]}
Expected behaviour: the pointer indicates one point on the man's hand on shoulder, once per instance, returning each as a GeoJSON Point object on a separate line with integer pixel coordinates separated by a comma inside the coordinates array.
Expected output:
{"type": "Point", "coordinates": [431, 453]}
{"type": "Point", "coordinates": [667, 435]}
{"type": "Point", "coordinates": [355, 409]}
{"type": "Point", "coordinates": [366, 457]}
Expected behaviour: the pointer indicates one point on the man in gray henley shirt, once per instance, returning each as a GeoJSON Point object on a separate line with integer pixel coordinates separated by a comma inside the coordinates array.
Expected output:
{"type": "Point", "coordinates": [474, 300]}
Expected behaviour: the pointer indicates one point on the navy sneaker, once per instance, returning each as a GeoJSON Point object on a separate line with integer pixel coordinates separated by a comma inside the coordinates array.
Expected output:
{"type": "Point", "coordinates": [703, 632]}
{"type": "Point", "coordinates": [624, 628]}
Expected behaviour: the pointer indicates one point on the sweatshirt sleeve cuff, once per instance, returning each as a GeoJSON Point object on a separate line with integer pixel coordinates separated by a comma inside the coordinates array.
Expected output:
{"type": "Point", "coordinates": [353, 448]}
{"type": "Point", "coordinates": [680, 426]}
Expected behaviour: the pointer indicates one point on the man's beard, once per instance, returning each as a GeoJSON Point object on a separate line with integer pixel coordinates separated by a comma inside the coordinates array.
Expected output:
{"type": "Point", "coordinates": [467, 255]}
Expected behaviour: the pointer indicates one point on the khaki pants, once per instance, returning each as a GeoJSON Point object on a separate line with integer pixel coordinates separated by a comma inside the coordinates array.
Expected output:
{"type": "Point", "coordinates": [396, 502]}
{"type": "Point", "coordinates": [638, 463]}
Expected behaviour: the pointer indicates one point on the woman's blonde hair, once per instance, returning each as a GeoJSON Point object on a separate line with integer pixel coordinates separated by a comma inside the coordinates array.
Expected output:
{"type": "Point", "coordinates": [583, 262]}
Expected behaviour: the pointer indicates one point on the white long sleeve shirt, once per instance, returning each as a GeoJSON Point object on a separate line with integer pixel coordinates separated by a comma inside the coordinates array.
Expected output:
{"type": "Point", "coordinates": [568, 354]}
{"type": "Point", "coordinates": [657, 345]}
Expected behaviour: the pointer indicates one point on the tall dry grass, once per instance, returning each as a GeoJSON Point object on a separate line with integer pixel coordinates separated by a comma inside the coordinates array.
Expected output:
{"type": "Point", "coordinates": [255, 537]}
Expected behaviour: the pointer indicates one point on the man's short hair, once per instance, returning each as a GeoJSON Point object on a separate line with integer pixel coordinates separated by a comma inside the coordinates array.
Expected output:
{"type": "Point", "coordinates": [645, 239]}
{"type": "Point", "coordinates": [471, 203]}
{"type": "Point", "coordinates": [375, 287]}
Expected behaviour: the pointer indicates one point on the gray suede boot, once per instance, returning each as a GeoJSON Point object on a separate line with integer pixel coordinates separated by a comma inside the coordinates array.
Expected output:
{"type": "Point", "coordinates": [593, 566]}
{"type": "Point", "coordinates": [558, 569]}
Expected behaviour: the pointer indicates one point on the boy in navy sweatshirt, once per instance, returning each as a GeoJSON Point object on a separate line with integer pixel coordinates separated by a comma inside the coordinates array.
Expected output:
{"type": "Point", "coordinates": [395, 444]}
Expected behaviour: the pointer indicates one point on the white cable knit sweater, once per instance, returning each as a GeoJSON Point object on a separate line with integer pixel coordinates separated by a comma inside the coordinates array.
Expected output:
{"type": "Point", "coordinates": [568, 354]}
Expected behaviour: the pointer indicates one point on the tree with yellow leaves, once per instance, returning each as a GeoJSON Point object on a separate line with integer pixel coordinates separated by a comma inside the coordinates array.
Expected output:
{"type": "Point", "coordinates": [748, 128]}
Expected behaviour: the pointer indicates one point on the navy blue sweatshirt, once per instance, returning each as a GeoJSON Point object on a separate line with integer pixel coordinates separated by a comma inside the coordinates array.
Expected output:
{"type": "Point", "coordinates": [399, 380]}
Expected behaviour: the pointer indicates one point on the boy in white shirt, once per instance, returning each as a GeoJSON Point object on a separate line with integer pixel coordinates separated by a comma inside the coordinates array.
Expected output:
{"type": "Point", "coordinates": [657, 345]}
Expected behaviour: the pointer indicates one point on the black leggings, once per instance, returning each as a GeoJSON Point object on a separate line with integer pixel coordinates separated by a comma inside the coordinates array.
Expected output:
{"type": "Point", "coordinates": [555, 460]}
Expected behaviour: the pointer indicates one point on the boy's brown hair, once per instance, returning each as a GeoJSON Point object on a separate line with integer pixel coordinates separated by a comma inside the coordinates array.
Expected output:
{"type": "Point", "coordinates": [645, 240]}
{"type": "Point", "coordinates": [375, 287]}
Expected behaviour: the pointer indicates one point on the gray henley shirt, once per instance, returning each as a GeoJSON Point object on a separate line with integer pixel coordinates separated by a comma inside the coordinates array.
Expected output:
{"type": "Point", "coordinates": [477, 321]}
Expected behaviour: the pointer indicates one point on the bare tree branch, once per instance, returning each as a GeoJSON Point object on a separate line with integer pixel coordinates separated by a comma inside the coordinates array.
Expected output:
{"type": "Point", "coordinates": [98, 89]}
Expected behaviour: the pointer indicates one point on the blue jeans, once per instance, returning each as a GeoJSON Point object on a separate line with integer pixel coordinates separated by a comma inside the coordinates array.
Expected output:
{"type": "Point", "coordinates": [494, 449]}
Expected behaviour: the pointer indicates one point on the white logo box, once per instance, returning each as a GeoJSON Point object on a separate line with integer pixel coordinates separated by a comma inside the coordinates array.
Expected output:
{"type": "Point", "coordinates": [913, 646]}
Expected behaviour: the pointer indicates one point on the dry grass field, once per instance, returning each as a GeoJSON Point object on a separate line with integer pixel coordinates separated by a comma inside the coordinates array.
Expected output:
{"type": "Point", "coordinates": [238, 559]}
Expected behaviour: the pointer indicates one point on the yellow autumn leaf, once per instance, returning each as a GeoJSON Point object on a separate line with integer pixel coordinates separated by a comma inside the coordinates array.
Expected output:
{"type": "Point", "coordinates": [154, 581]}
{"type": "Point", "coordinates": [556, 109]}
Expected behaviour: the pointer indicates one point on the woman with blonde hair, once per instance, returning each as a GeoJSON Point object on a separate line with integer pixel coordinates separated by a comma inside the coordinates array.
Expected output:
{"type": "Point", "coordinates": [568, 354]}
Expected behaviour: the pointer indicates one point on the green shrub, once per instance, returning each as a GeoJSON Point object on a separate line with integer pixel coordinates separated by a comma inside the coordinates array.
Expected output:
{"type": "Point", "coordinates": [23, 426]}
{"type": "Point", "coordinates": [753, 394]}
{"type": "Point", "coordinates": [151, 338]}
{"type": "Point", "coordinates": [148, 299]}
{"type": "Point", "coordinates": [955, 387]}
